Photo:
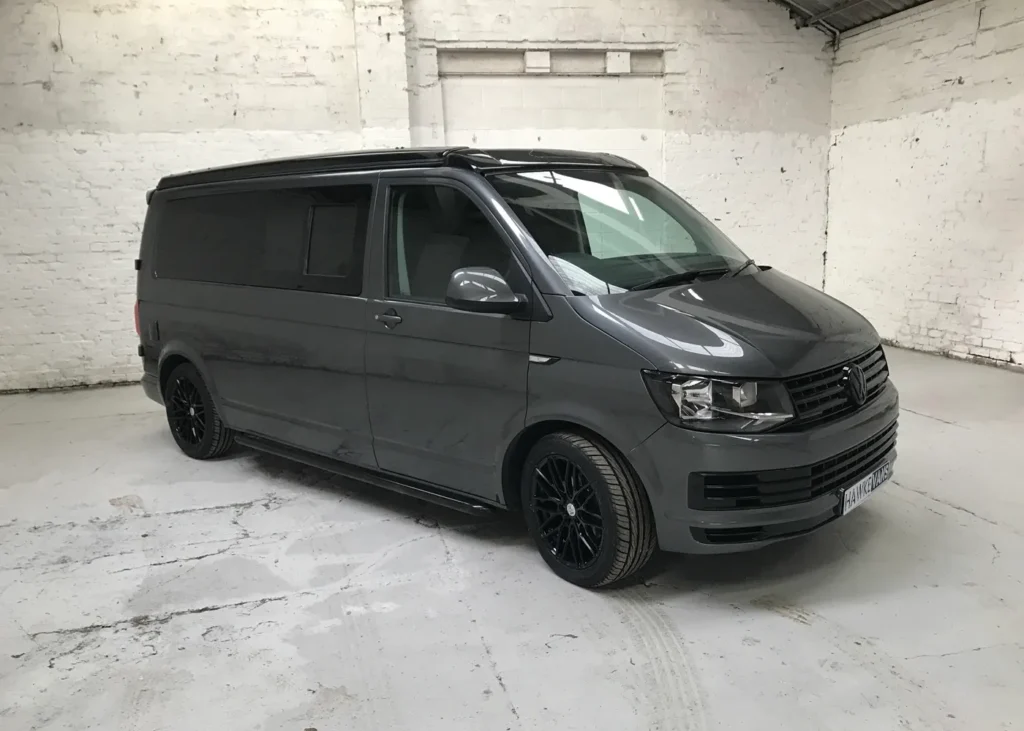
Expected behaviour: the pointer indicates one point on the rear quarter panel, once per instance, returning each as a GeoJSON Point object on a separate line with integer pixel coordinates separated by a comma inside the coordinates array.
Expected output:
{"type": "Point", "coordinates": [282, 363]}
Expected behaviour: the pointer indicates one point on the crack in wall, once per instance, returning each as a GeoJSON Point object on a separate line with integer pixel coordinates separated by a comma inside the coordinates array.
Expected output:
{"type": "Point", "coordinates": [836, 138]}
{"type": "Point", "coordinates": [60, 34]}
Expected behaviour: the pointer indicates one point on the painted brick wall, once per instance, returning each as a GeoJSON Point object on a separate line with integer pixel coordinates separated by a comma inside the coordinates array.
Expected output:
{"type": "Point", "coordinates": [98, 98]}
{"type": "Point", "coordinates": [926, 197]}
{"type": "Point", "coordinates": [745, 107]}
{"type": "Point", "coordinates": [616, 114]}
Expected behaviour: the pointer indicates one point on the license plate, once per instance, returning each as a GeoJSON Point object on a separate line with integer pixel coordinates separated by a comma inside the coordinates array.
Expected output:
{"type": "Point", "coordinates": [857, 493]}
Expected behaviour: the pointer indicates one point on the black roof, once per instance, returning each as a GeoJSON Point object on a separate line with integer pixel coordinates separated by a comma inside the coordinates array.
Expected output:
{"type": "Point", "coordinates": [465, 157]}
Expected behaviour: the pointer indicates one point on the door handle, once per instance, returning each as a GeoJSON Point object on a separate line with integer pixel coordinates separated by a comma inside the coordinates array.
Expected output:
{"type": "Point", "coordinates": [389, 318]}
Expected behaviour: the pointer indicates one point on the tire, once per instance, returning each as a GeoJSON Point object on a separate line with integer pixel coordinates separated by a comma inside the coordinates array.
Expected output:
{"type": "Point", "coordinates": [192, 416]}
{"type": "Point", "coordinates": [597, 484]}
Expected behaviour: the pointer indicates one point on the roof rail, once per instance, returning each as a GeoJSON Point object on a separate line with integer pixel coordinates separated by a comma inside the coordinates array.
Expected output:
{"type": "Point", "coordinates": [470, 158]}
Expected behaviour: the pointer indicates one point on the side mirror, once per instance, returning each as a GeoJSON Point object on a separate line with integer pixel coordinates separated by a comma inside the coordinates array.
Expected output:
{"type": "Point", "coordinates": [482, 289]}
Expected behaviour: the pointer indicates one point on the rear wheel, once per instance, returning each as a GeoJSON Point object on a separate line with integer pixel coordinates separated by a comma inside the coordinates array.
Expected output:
{"type": "Point", "coordinates": [195, 424]}
{"type": "Point", "coordinates": [586, 510]}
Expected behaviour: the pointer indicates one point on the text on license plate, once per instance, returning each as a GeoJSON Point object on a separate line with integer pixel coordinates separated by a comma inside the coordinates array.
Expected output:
{"type": "Point", "coordinates": [857, 493]}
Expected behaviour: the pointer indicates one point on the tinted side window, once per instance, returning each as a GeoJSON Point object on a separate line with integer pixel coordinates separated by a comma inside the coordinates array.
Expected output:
{"type": "Point", "coordinates": [432, 231]}
{"type": "Point", "coordinates": [292, 239]}
{"type": "Point", "coordinates": [216, 238]}
{"type": "Point", "coordinates": [337, 239]}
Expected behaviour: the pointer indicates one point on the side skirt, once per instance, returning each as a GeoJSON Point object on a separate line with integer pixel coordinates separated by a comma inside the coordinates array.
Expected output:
{"type": "Point", "coordinates": [427, 493]}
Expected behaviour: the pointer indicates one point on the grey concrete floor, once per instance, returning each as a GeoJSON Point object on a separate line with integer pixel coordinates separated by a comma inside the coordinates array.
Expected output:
{"type": "Point", "coordinates": [142, 590]}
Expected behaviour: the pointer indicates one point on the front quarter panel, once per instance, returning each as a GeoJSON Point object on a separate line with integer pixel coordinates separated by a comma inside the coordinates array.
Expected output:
{"type": "Point", "coordinates": [595, 382]}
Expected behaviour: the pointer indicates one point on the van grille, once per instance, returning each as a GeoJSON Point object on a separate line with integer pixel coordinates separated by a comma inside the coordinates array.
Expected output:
{"type": "Point", "coordinates": [773, 488]}
{"type": "Point", "coordinates": [820, 397]}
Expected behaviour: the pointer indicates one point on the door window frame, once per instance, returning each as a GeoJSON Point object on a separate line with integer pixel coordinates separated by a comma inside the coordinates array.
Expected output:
{"type": "Point", "coordinates": [386, 195]}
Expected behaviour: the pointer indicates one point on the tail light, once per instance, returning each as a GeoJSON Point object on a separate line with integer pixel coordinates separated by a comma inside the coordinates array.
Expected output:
{"type": "Point", "coordinates": [138, 329]}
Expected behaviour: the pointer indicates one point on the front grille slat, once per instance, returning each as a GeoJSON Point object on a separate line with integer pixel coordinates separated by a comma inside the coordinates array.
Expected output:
{"type": "Point", "coordinates": [772, 488]}
{"type": "Point", "coordinates": [820, 397]}
{"type": "Point", "coordinates": [822, 394]}
{"type": "Point", "coordinates": [849, 471]}
{"type": "Point", "coordinates": [874, 370]}
{"type": "Point", "coordinates": [872, 357]}
{"type": "Point", "coordinates": [812, 389]}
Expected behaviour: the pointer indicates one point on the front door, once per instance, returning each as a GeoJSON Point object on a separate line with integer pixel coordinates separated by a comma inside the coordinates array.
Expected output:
{"type": "Point", "coordinates": [446, 388]}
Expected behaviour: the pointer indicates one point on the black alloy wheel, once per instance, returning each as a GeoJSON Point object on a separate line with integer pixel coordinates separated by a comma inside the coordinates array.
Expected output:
{"type": "Point", "coordinates": [568, 512]}
{"type": "Point", "coordinates": [192, 415]}
{"type": "Point", "coordinates": [586, 509]}
{"type": "Point", "coordinates": [186, 412]}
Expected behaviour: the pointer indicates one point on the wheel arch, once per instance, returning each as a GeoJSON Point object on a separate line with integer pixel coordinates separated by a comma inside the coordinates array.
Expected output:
{"type": "Point", "coordinates": [519, 447]}
{"type": "Point", "coordinates": [173, 355]}
{"type": "Point", "coordinates": [167, 366]}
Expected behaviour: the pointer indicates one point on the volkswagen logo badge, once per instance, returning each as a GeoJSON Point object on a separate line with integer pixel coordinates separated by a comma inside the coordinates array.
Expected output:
{"type": "Point", "coordinates": [855, 384]}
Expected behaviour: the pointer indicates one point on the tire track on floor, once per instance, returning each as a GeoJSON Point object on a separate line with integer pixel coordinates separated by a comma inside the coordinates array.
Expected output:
{"type": "Point", "coordinates": [675, 701]}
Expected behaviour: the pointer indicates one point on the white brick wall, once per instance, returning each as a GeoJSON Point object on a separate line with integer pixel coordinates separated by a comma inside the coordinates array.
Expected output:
{"type": "Point", "coordinates": [745, 102]}
{"type": "Point", "coordinates": [69, 231]}
{"type": "Point", "coordinates": [926, 197]}
{"type": "Point", "coordinates": [98, 98]}
{"type": "Point", "coordinates": [614, 114]}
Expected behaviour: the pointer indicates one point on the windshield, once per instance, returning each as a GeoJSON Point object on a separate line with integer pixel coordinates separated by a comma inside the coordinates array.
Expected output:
{"type": "Point", "coordinates": [607, 232]}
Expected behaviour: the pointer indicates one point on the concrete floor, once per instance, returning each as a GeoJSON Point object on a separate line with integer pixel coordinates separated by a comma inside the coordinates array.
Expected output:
{"type": "Point", "coordinates": [142, 590]}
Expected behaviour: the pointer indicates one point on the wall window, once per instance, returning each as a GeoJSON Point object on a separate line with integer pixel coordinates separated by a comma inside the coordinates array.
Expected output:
{"type": "Point", "coordinates": [432, 231]}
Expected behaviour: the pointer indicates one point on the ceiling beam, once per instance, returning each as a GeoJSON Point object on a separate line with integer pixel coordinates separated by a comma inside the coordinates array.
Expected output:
{"type": "Point", "coordinates": [840, 8]}
{"type": "Point", "coordinates": [802, 19]}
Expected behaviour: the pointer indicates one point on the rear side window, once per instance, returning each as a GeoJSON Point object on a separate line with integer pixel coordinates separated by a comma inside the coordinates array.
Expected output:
{"type": "Point", "coordinates": [338, 223]}
{"type": "Point", "coordinates": [308, 239]}
{"type": "Point", "coordinates": [217, 238]}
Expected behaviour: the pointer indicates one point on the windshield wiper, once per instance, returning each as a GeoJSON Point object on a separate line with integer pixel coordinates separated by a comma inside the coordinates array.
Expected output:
{"type": "Point", "coordinates": [677, 278]}
{"type": "Point", "coordinates": [738, 270]}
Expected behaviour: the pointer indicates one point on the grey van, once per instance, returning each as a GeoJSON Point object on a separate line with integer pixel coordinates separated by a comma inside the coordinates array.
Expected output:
{"type": "Point", "coordinates": [550, 332]}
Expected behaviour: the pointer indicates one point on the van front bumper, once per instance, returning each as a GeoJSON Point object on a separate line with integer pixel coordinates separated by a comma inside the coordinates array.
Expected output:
{"type": "Point", "coordinates": [721, 493]}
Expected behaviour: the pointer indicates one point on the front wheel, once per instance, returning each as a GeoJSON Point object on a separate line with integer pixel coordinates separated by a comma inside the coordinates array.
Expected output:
{"type": "Point", "coordinates": [192, 415]}
{"type": "Point", "coordinates": [586, 510]}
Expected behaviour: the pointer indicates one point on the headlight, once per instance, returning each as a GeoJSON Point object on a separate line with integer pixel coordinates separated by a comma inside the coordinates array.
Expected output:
{"type": "Point", "coordinates": [710, 404]}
